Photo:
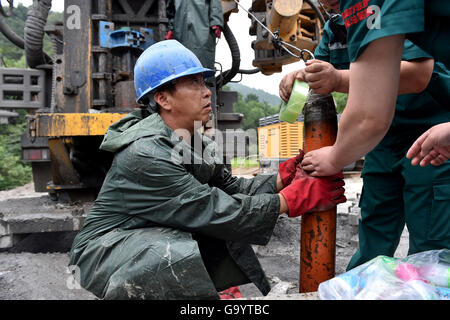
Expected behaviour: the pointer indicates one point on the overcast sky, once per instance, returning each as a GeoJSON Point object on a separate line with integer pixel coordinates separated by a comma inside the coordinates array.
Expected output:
{"type": "Point", "coordinates": [239, 24]}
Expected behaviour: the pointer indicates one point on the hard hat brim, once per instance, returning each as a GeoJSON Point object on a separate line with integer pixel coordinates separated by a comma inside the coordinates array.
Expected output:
{"type": "Point", "coordinates": [206, 74]}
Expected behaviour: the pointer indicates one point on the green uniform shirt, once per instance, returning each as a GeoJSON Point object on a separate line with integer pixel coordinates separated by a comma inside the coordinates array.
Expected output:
{"type": "Point", "coordinates": [425, 23]}
{"type": "Point", "coordinates": [414, 113]}
{"type": "Point", "coordinates": [331, 50]}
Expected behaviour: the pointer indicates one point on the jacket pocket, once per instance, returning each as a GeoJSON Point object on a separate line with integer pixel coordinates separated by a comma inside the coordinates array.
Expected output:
{"type": "Point", "coordinates": [439, 222]}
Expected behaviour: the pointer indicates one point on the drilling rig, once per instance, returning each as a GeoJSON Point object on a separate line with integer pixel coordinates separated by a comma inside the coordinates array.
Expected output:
{"type": "Point", "coordinates": [86, 84]}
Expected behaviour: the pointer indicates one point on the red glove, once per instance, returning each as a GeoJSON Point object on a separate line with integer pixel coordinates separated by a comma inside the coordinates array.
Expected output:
{"type": "Point", "coordinates": [217, 30]}
{"type": "Point", "coordinates": [306, 193]}
{"type": "Point", "coordinates": [169, 35]}
{"type": "Point", "coordinates": [288, 168]}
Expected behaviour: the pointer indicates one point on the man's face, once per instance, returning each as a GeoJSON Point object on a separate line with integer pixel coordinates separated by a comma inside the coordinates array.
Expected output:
{"type": "Point", "coordinates": [333, 4]}
{"type": "Point", "coordinates": [191, 101]}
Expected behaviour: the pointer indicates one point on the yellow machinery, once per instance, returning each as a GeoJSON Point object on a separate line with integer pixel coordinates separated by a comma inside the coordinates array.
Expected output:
{"type": "Point", "coordinates": [278, 141]}
{"type": "Point", "coordinates": [87, 84]}
{"type": "Point", "coordinates": [289, 25]}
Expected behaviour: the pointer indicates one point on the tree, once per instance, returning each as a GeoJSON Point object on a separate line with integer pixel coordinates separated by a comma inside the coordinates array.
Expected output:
{"type": "Point", "coordinates": [341, 101]}
{"type": "Point", "coordinates": [12, 55]}
{"type": "Point", "coordinates": [13, 172]}
{"type": "Point", "coordinates": [253, 110]}
{"type": "Point", "coordinates": [251, 97]}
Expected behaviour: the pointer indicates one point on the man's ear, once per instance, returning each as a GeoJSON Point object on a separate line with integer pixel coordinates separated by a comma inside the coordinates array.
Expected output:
{"type": "Point", "coordinates": [161, 98]}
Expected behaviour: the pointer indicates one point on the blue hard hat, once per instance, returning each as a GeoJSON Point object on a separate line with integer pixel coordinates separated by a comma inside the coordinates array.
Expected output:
{"type": "Point", "coordinates": [163, 62]}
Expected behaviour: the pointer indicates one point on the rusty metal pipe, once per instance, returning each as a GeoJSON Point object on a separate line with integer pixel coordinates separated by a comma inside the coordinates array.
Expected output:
{"type": "Point", "coordinates": [318, 229]}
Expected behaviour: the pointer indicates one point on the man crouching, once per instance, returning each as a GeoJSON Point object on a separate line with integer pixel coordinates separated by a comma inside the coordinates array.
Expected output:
{"type": "Point", "coordinates": [166, 228]}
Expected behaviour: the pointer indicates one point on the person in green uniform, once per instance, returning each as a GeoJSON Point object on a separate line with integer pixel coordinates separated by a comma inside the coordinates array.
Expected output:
{"type": "Point", "coordinates": [376, 30]}
{"type": "Point", "coordinates": [170, 221]}
{"type": "Point", "coordinates": [394, 191]}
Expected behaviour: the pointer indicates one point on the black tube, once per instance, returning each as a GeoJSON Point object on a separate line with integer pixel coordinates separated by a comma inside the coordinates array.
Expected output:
{"type": "Point", "coordinates": [2, 11]}
{"type": "Point", "coordinates": [34, 33]}
{"type": "Point", "coordinates": [11, 35]}
{"type": "Point", "coordinates": [251, 71]}
{"type": "Point", "coordinates": [317, 11]}
{"type": "Point", "coordinates": [226, 77]}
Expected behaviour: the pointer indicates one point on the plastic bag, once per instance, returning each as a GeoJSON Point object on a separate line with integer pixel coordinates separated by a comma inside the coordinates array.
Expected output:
{"type": "Point", "coordinates": [422, 276]}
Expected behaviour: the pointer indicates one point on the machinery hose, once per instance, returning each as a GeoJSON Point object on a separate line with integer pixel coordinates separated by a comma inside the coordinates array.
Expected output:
{"type": "Point", "coordinates": [226, 77]}
{"type": "Point", "coordinates": [317, 11]}
{"type": "Point", "coordinates": [251, 71]}
{"type": "Point", "coordinates": [34, 33]}
{"type": "Point", "coordinates": [11, 7]}
{"type": "Point", "coordinates": [11, 35]}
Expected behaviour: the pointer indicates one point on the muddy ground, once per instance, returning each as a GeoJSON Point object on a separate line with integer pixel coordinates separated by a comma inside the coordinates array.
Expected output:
{"type": "Point", "coordinates": [36, 268]}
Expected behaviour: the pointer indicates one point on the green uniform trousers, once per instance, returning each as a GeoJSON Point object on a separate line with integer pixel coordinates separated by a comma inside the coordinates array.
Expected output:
{"type": "Point", "coordinates": [395, 193]}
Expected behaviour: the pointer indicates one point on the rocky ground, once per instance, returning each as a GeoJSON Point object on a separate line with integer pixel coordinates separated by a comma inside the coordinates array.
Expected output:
{"type": "Point", "coordinates": [36, 268]}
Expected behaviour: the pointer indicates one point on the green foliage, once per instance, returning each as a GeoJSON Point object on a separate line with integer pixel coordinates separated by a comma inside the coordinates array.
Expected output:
{"type": "Point", "coordinates": [244, 163]}
{"type": "Point", "coordinates": [13, 172]}
{"type": "Point", "coordinates": [341, 101]}
{"type": "Point", "coordinates": [253, 110]}
{"type": "Point", "coordinates": [13, 56]}
{"type": "Point", "coordinates": [271, 99]}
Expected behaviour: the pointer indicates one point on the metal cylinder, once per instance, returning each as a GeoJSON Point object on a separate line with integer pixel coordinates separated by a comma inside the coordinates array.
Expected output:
{"type": "Point", "coordinates": [125, 95]}
{"type": "Point", "coordinates": [283, 16]}
{"type": "Point", "coordinates": [318, 229]}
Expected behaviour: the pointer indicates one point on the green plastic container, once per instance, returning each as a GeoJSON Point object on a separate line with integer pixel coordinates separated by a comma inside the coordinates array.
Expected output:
{"type": "Point", "coordinates": [291, 110]}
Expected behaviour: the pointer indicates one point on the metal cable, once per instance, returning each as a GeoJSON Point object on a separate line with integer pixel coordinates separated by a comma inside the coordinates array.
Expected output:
{"type": "Point", "coordinates": [277, 41]}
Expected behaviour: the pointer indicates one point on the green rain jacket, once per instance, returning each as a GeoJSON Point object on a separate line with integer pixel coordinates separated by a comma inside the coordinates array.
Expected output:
{"type": "Point", "coordinates": [191, 23]}
{"type": "Point", "coordinates": [164, 227]}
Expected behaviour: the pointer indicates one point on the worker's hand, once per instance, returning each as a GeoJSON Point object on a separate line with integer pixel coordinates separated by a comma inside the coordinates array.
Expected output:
{"type": "Point", "coordinates": [306, 193]}
{"type": "Point", "coordinates": [431, 147]}
{"type": "Point", "coordinates": [169, 35]}
{"type": "Point", "coordinates": [217, 31]}
{"type": "Point", "coordinates": [320, 162]}
{"type": "Point", "coordinates": [287, 169]}
{"type": "Point", "coordinates": [321, 76]}
{"type": "Point", "coordinates": [287, 82]}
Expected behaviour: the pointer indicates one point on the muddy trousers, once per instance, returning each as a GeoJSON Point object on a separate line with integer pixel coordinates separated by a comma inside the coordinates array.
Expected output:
{"type": "Point", "coordinates": [395, 193]}
{"type": "Point", "coordinates": [149, 264]}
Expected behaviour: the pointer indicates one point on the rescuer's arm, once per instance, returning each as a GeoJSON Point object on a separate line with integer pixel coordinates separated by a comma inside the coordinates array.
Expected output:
{"type": "Point", "coordinates": [323, 78]}
{"type": "Point", "coordinates": [306, 193]}
{"type": "Point", "coordinates": [223, 179]}
{"type": "Point", "coordinates": [216, 17]}
{"type": "Point", "coordinates": [374, 79]}
{"type": "Point", "coordinates": [280, 184]}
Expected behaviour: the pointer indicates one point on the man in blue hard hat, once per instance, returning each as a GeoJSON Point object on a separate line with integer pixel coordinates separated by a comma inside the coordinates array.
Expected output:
{"type": "Point", "coordinates": [171, 222]}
